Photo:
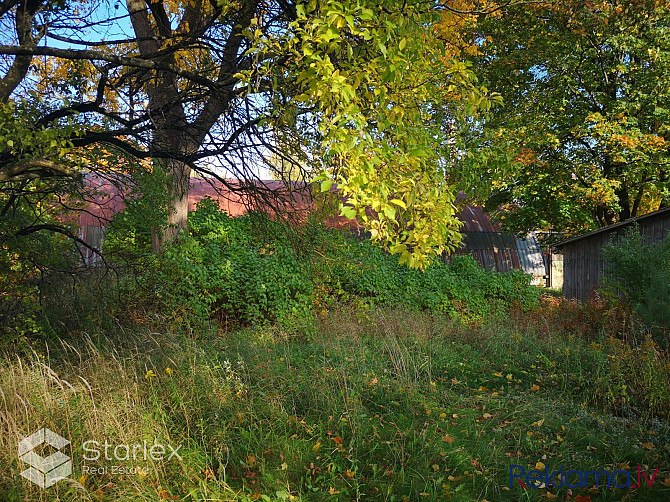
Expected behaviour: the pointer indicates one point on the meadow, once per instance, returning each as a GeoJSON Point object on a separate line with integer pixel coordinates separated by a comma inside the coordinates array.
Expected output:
{"type": "Point", "coordinates": [376, 405]}
{"type": "Point", "coordinates": [246, 365]}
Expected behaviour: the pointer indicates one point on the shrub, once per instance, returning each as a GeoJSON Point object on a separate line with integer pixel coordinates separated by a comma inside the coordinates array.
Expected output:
{"type": "Point", "coordinates": [640, 273]}
{"type": "Point", "coordinates": [251, 269]}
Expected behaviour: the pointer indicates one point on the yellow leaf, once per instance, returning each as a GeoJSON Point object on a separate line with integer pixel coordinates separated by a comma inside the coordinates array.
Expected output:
{"type": "Point", "coordinates": [317, 446]}
{"type": "Point", "coordinates": [539, 466]}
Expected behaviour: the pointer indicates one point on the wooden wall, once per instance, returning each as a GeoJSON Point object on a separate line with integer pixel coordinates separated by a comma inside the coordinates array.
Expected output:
{"type": "Point", "coordinates": [583, 262]}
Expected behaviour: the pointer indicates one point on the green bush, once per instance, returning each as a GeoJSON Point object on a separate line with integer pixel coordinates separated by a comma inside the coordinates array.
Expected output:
{"type": "Point", "coordinates": [250, 270]}
{"type": "Point", "coordinates": [640, 273]}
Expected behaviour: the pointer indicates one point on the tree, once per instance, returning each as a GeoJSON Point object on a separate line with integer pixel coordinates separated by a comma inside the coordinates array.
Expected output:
{"type": "Point", "coordinates": [358, 89]}
{"type": "Point", "coordinates": [581, 140]}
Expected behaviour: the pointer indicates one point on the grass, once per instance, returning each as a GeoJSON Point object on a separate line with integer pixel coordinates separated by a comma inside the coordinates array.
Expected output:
{"type": "Point", "coordinates": [376, 405]}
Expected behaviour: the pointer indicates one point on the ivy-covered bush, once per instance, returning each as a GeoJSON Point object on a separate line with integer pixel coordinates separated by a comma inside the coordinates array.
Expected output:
{"type": "Point", "coordinates": [251, 269]}
{"type": "Point", "coordinates": [639, 271]}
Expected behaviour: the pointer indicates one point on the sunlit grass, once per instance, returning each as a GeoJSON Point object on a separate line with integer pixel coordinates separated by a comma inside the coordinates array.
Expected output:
{"type": "Point", "coordinates": [376, 405]}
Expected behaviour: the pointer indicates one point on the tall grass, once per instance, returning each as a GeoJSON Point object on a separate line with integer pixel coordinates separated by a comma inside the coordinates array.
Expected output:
{"type": "Point", "coordinates": [372, 405]}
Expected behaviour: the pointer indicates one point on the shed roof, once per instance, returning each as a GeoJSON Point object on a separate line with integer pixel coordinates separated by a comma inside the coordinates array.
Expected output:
{"type": "Point", "coordinates": [610, 228]}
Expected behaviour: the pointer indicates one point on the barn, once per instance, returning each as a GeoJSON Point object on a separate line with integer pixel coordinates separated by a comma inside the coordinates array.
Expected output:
{"type": "Point", "coordinates": [483, 239]}
{"type": "Point", "coordinates": [583, 262]}
{"type": "Point", "coordinates": [499, 251]}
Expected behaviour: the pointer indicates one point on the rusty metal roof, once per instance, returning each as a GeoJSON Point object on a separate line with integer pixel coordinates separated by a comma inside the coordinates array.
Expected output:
{"type": "Point", "coordinates": [483, 239]}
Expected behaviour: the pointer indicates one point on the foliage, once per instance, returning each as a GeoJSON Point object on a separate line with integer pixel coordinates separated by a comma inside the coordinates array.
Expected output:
{"type": "Point", "coordinates": [378, 137]}
{"type": "Point", "coordinates": [640, 271]}
{"type": "Point", "coordinates": [251, 269]}
{"type": "Point", "coordinates": [129, 235]}
{"type": "Point", "coordinates": [355, 91]}
{"type": "Point", "coordinates": [589, 320]}
{"type": "Point", "coordinates": [581, 141]}
{"type": "Point", "coordinates": [29, 207]}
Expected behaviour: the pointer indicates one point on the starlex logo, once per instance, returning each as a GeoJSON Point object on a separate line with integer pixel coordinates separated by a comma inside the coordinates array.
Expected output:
{"type": "Point", "coordinates": [45, 471]}
{"type": "Point", "coordinates": [580, 479]}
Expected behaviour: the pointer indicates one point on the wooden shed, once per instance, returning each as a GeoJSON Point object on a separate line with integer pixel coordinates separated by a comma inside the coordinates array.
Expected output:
{"type": "Point", "coordinates": [583, 262]}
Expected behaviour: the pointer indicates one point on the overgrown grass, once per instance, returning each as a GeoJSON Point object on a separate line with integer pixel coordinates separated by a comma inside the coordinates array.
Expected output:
{"type": "Point", "coordinates": [372, 405]}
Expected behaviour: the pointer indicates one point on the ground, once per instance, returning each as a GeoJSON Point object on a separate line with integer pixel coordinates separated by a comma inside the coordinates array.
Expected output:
{"type": "Point", "coordinates": [371, 405]}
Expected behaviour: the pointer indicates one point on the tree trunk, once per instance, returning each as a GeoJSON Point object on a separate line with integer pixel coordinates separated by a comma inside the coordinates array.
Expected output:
{"type": "Point", "coordinates": [179, 175]}
{"type": "Point", "coordinates": [175, 136]}
{"type": "Point", "coordinates": [171, 134]}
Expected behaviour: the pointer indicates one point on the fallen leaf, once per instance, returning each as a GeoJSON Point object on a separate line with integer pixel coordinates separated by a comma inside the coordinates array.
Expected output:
{"type": "Point", "coordinates": [648, 446]}
{"type": "Point", "coordinates": [448, 438]}
{"type": "Point", "coordinates": [487, 415]}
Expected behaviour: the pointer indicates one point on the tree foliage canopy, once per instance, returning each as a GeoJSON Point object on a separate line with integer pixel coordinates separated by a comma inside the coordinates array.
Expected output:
{"type": "Point", "coordinates": [358, 91]}
{"type": "Point", "coordinates": [582, 140]}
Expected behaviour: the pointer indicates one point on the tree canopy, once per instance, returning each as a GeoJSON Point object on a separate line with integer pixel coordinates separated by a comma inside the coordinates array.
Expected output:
{"type": "Point", "coordinates": [582, 138]}
{"type": "Point", "coordinates": [359, 91]}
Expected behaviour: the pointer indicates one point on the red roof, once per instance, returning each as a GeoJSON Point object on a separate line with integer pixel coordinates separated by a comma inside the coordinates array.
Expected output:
{"type": "Point", "coordinates": [108, 199]}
